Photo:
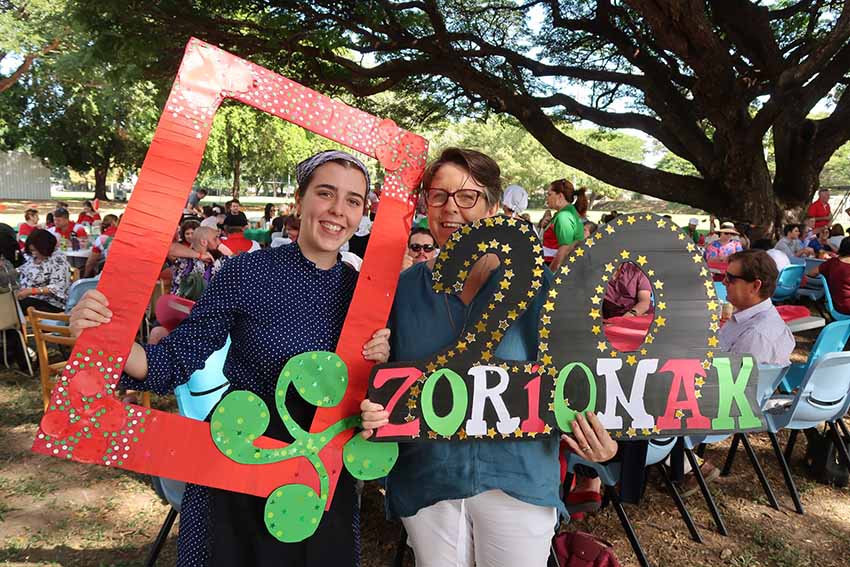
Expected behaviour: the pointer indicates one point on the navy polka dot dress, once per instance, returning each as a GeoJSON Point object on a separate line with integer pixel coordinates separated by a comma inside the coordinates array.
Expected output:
{"type": "Point", "coordinates": [274, 304]}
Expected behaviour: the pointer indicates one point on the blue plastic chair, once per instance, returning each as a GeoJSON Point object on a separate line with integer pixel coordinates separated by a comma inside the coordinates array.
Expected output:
{"type": "Point", "coordinates": [836, 315]}
{"type": "Point", "coordinates": [720, 291]}
{"type": "Point", "coordinates": [824, 396]}
{"type": "Point", "coordinates": [195, 400]}
{"type": "Point", "coordinates": [832, 338]}
{"type": "Point", "coordinates": [609, 473]}
{"type": "Point", "coordinates": [788, 282]}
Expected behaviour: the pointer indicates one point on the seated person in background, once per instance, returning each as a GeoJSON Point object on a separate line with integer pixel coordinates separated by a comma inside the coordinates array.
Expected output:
{"type": "Point", "coordinates": [780, 258]}
{"type": "Point", "coordinates": [837, 274]}
{"type": "Point", "coordinates": [691, 230]}
{"type": "Point", "coordinates": [207, 260]}
{"type": "Point", "coordinates": [187, 228]}
{"type": "Point", "coordinates": [64, 227]}
{"type": "Point", "coordinates": [291, 228]}
{"type": "Point", "coordinates": [836, 235]}
{"type": "Point", "coordinates": [234, 208]}
{"type": "Point", "coordinates": [590, 227]}
{"type": "Point", "coordinates": [108, 227]}
{"type": "Point", "coordinates": [421, 247]}
{"type": "Point", "coordinates": [213, 216]}
{"type": "Point", "coordinates": [808, 231]}
{"type": "Point", "coordinates": [755, 327]}
{"type": "Point", "coordinates": [725, 245]}
{"type": "Point", "coordinates": [30, 224]}
{"type": "Point", "coordinates": [45, 276]}
{"type": "Point", "coordinates": [234, 228]}
{"type": "Point", "coordinates": [790, 243]}
{"type": "Point", "coordinates": [821, 245]}
{"type": "Point", "coordinates": [88, 215]}
{"type": "Point", "coordinates": [628, 293]}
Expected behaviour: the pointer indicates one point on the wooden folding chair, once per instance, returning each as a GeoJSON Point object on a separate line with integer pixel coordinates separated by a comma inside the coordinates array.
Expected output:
{"type": "Point", "coordinates": [46, 330]}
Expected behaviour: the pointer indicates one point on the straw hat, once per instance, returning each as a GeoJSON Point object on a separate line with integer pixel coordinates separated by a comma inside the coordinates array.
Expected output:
{"type": "Point", "coordinates": [728, 228]}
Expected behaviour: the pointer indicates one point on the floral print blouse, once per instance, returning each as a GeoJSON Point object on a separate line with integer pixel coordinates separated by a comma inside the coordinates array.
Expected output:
{"type": "Point", "coordinates": [53, 273]}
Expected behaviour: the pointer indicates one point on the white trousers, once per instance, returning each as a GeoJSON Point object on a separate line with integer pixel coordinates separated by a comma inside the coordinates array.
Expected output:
{"type": "Point", "coordinates": [490, 529]}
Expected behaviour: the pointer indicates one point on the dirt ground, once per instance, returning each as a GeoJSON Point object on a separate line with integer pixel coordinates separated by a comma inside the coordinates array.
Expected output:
{"type": "Point", "coordinates": [54, 512]}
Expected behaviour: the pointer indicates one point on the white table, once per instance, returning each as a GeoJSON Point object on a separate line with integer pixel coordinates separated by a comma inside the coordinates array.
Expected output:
{"type": "Point", "coordinates": [806, 324]}
{"type": "Point", "coordinates": [77, 258]}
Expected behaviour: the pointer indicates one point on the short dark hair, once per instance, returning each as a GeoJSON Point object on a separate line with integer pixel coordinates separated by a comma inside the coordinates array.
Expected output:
{"type": "Point", "coordinates": [42, 241]}
{"type": "Point", "coordinates": [420, 230]}
{"type": "Point", "coordinates": [482, 168]}
{"type": "Point", "coordinates": [61, 212]}
{"type": "Point", "coordinates": [29, 213]}
{"type": "Point", "coordinates": [202, 190]}
{"type": "Point", "coordinates": [88, 204]}
{"type": "Point", "coordinates": [786, 230]}
{"type": "Point", "coordinates": [188, 224]}
{"type": "Point", "coordinates": [292, 221]}
{"type": "Point", "coordinates": [757, 265]}
{"type": "Point", "coordinates": [836, 230]}
{"type": "Point", "coordinates": [844, 247]}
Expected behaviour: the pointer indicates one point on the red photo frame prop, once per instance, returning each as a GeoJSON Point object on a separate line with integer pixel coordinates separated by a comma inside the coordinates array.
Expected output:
{"type": "Point", "coordinates": [84, 421]}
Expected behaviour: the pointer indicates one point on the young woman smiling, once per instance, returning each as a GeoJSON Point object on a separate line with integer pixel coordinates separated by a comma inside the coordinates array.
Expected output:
{"type": "Point", "coordinates": [274, 304]}
{"type": "Point", "coordinates": [492, 503]}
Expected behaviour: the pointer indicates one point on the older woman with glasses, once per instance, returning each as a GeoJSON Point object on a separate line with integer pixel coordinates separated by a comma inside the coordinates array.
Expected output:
{"type": "Point", "coordinates": [492, 503]}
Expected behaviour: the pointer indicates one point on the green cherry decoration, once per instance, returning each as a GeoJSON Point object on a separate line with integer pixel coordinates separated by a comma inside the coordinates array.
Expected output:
{"type": "Point", "coordinates": [366, 460]}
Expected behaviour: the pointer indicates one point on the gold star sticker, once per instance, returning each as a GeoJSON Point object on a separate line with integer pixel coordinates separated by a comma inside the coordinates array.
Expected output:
{"type": "Point", "coordinates": [536, 285]}
{"type": "Point", "coordinates": [553, 293]}
{"type": "Point", "coordinates": [408, 418]}
{"type": "Point", "coordinates": [649, 339]}
{"type": "Point", "coordinates": [470, 338]}
{"type": "Point", "coordinates": [655, 429]}
{"type": "Point", "coordinates": [486, 356]}
{"type": "Point", "coordinates": [431, 367]}
{"type": "Point", "coordinates": [600, 289]}
{"type": "Point", "coordinates": [594, 313]}
{"type": "Point", "coordinates": [714, 327]}
{"type": "Point", "coordinates": [643, 351]}
{"type": "Point", "coordinates": [414, 391]}
{"type": "Point", "coordinates": [712, 305]}
{"type": "Point", "coordinates": [598, 235]}
{"type": "Point", "coordinates": [544, 333]}
{"type": "Point", "coordinates": [706, 364]}
{"type": "Point", "coordinates": [618, 434]}
{"type": "Point", "coordinates": [461, 346]}
{"type": "Point", "coordinates": [625, 254]}
{"type": "Point", "coordinates": [714, 317]}
{"type": "Point", "coordinates": [532, 434]}
{"type": "Point", "coordinates": [661, 305]}
{"type": "Point", "coordinates": [503, 324]}
{"type": "Point", "coordinates": [509, 274]}
{"type": "Point", "coordinates": [601, 346]}
{"type": "Point", "coordinates": [546, 359]}
{"type": "Point", "coordinates": [709, 354]}
{"type": "Point", "coordinates": [630, 219]}
{"type": "Point", "coordinates": [438, 287]}
{"type": "Point", "coordinates": [650, 273]}
{"type": "Point", "coordinates": [596, 300]}
{"type": "Point", "coordinates": [465, 229]}
{"type": "Point", "coordinates": [522, 305]}
{"type": "Point", "coordinates": [613, 353]}
{"type": "Point", "coordinates": [596, 329]}
{"type": "Point", "coordinates": [491, 433]}
{"type": "Point", "coordinates": [411, 404]}
{"type": "Point", "coordinates": [461, 434]}
{"type": "Point", "coordinates": [579, 252]}
{"type": "Point", "coordinates": [432, 435]}
{"type": "Point", "coordinates": [589, 242]}
{"type": "Point", "coordinates": [499, 220]}
{"type": "Point", "coordinates": [648, 216]}
{"type": "Point", "coordinates": [619, 222]}
{"type": "Point", "coordinates": [609, 267]}
{"type": "Point", "coordinates": [441, 360]}
{"type": "Point", "coordinates": [494, 243]}
{"type": "Point", "coordinates": [660, 321]}
{"type": "Point", "coordinates": [644, 431]}
{"type": "Point", "coordinates": [712, 341]}
{"type": "Point", "coordinates": [537, 250]}
{"type": "Point", "coordinates": [458, 287]}
{"type": "Point", "coordinates": [511, 221]}
{"type": "Point", "coordinates": [518, 432]}
{"type": "Point", "coordinates": [547, 429]}
{"type": "Point", "coordinates": [660, 223]}
{"type": "Point", "coordinates": [450, 244]}
{"type": "Point", "coordinates": [631, 432]}
{"type": "Point", "coordinates": [549, 306]}
{"type": "Point", "coordinates": [512, 314]}
{"type": "Point", "coordinates": [523, 228]}
{"type": "Point", "coordinates": [641, 260]}
{"type": "Point", "coordinates": [546, 319]}
{"type": "Point", "coordinates": [505, 284]}
{"type": "Point", "coordinates": [681, 237]}
{"type": "Point", "coordinates": [659, 284]}
{"type": "Point", "coordinates": [631, 360]}
{"type": "Point", "coordinates": [480, 327]}
{"type": "Point", "coordinates": [710, 293]}
{"type": "Point", "coordinates": [700, 382]}
{"type": "Point", "coordinates": [482, 246]}
{"type": "Point", "coordinates": [496, 335]}
{"type": "Point", "coordinates": [610, 229]}
{"type": "Point", "coordinates": [696, 258]}
{"type": "Point", "coordinates": [498, 296]}
{"type": "Point", "coordinates": [680, 414]}
{"type": "Point", "coordinates": [506, 248]}
{"type": "Point", "coordinates": [697, 394]}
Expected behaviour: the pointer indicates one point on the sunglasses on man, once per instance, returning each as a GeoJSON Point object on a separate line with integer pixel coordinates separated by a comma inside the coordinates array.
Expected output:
{"type": "Point", "coordinates": [732, 277]}
{"type": "Point", "coordinates": [421, 247]}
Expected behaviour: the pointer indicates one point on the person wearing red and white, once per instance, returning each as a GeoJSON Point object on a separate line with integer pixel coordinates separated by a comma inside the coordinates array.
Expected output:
{"type": "Point", "coordinates": [234, 227]}
{"type": "Point", "coordinates": [63, 226]}
{"type": "Point", "coordinates": [820, 209]}
{"type": "Point", "coordinates": [109, 226]}
{"type": "Point", "coordinates": [88, 215]}
{"type": "Point", "coordinates": [30, 224]}
{"type": "Point", "coordinates": [566, 228]}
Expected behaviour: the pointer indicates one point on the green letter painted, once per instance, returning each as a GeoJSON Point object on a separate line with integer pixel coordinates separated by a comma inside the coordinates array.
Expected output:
{"type": "Point", "coordinates": [448, 424]}
{"type": "Point", "coordinates": [730, 389]}
{"type": "Point", "coordinates": [564, 414]}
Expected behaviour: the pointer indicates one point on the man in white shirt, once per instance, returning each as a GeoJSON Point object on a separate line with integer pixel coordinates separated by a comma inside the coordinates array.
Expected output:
{"type": "Point", "coordinates": [756, 327]}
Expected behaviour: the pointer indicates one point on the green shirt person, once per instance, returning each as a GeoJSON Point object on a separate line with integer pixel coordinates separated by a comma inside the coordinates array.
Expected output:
{"type": "Point", "coordinates": [566, 228]}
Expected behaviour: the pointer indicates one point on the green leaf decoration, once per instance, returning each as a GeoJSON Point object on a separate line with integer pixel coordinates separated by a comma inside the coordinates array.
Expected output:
{"type": "Point", "coordinates": [321, 378]}
{"type": "Point", "coordinates": [238, 420]}
{"type": "Point", "coordinates": [366, 460]}
{"type": "Point", "coordinates": [293, 512]}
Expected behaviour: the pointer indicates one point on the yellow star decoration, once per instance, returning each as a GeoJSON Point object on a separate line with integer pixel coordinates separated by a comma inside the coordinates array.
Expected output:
{"type": "Point", "coordinates": [518, 432]}
{"type": "Point", "coordinates": [499, 296]}
{"type": "Point", "coordinates": [546, 319]}
{"type": "Point", "coordinates": [523, 228]}
{"type": "Point", "coordinates": [486, 356]}
{"type": "Point", "coordinates": [691, 247]}
{"type": "Point", "coordinates": [431, 367]}
{"type": "Point", "coordinates": [544, 333]}
{"type": "Point", "coordinates": [512, 314]}
{"type": "Point", "coordinates": [411, 404]}
{"type": "Point", "coordinates": [649, 339]}
{"type": "Point", "coordinates": [450, 244]}
{"type": "Point", "coordinates": [643, 352]}
{"type": "Point", "coordinates": [432, 435]}
{"type": "Point", "coordinates": [465, 229]}
{"type": "Point", "coordinates": [461, 346]}
{"type": "Point", "coordinates": [596, 329]}
{"type": "Point", "coordinates": [658, 284]}
{"type": "Point", "coordinates": [609, 267]}
{"type": "Point", "coordinates": [491, 433]}
{"type": "Point", "coordinates": [630, 219]}
{"type": "Point", "coordinates": [504, 284]}
{"type": "Point", "coordinates": [703, 272]}
{"type": "Point", "coordinates": [650, 273]}
{"type": "Point", "coordinates": [624, 254]}
{"type": "Point", "coordinates": [470, 338]}
{"type": "Point", "coordinates": [641, 260]}
{"type": "Point", "coordinates": [480, 327]}
{"type": "Point", "coordinates": [579, 252]}
{"type": "Point", "coordinates": [494, 243]}
{"type": "Point", "coordinates": [655, 429]}
{"type": "Point", "coordinates": [509, 274]}
{"type": "Point", "coordinates": [610, 229]}
{"type": "Point", "coordinates": [546, 359]}
{"type": "Point", "coordinates": [532, 434]}
{"type": "Point", "coordinates": [506, 248]}
{"type": "Point", "coordinates": [600, 289]}
{"type": "Point", "coordinates": [512, 221]}
{"type": "Point", "coordinates": [660, 223]}
{"type": "Point", "coordinates": [547, 429]}
{"type": "Point", "coordinates": [697, 394]}
{"type": "Point", "coordinates": [619, 222]}
{"type": "Point", "coordinates": [482, 246]}
{"type": "Point", "coordinates": [631, 360]}
{"type": "Point", "coordinates": [613, 353]}
{"type": "Point", "coordinates": [680, 414]}
{"type": "Point", "coordinates": [696, 258]}
{"type": "Point", "coordinates": [648, 216]}
{"type": "Point", "coordinates": [414, 391]}
{"type": "Point", "coordinates": [594, 313]}
{"type": "Point", "coordinates": [660, 321]}
{"type": "Point", "coordinates": [549, 306]}
{"type": "Point", "coordinates": [713, 342]}
{"type": "Point", "coordinates": [564, 270]}
{"type": "Point", "coordinates": [596, 300]}
{"type": "Point", "coordinates": [709, 354]}
{"type": "Point", "coordinates": [700, 382]}
{"type": "Point", "coordinates": [631, 432]}
{"type": "Point", "coordinates": [706, 364]}
{"type": "Point", "coordinates": [537, 272]}
{"type": "Point", "coordinates": [438, 287]}
{"type": "Point", "coordinates": [662, 305]}
{"type": "Point", "coordinates": [589, 242]}
{"type": "Point", "coordinates": [644, 431]}
{"type": "Point", "coordinates": [714, 327]}
{"type": "Point", "coordinates": [681, 237]}
{"type": "Point", "coordinates": [496, 335]}
{"type": "Point", "coordinates": [461, 434]}
{"type": "Point", "coordinates": [618, 434]}
{"type": "Point", "coordinates": [598, 235]}
{"type": "Point", "coordinates": [442, 360]}
{"type": "Point", "coordinates": [712, 305]}
{"type": "Point", "coordinates": [601, 346]}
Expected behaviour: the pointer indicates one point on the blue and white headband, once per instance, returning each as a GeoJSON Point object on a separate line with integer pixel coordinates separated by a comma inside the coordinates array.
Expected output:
{"type": "Point", "coordinates": [306, 168]}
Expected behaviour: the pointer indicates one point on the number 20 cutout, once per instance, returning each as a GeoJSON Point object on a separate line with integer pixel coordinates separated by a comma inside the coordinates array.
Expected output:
{"type": "Point", "coordinates": [85, 422]}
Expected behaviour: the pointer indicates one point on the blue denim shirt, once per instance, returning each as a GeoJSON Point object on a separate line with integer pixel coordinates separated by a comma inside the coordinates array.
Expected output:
{"type": "Point", "coordinates": [422, 323]}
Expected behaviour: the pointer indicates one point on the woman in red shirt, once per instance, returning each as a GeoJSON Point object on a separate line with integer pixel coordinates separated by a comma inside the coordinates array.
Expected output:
{"type": "Point", "coordinates": [30, 224]}
{"type": "Point", "coordinates": [88, 215]}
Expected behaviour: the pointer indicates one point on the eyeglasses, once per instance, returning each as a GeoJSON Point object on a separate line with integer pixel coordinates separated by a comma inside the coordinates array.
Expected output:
{"type": "Point", "coordinates": [421, 247]}
{"type": "Point", "coordinates": [732, 277]}
{"type": "Point", "coordinates": [464, 198]}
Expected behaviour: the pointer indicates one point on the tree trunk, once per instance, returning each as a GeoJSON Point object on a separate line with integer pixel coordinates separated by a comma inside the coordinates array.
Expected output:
{"type": "Point", "coordinates": [100, 183]}
{"type": "Point", "coordinates": [237, 172]}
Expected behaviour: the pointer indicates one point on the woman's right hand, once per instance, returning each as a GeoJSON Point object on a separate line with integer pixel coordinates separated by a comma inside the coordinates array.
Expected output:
{"type": "Point", "coordinates": [92, 311]}
{"type": "Point", "coordinates": [373, 416]}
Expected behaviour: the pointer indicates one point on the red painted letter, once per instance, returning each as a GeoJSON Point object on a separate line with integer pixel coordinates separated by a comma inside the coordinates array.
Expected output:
{"type": "Point", "coordinates": [684, 372]}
